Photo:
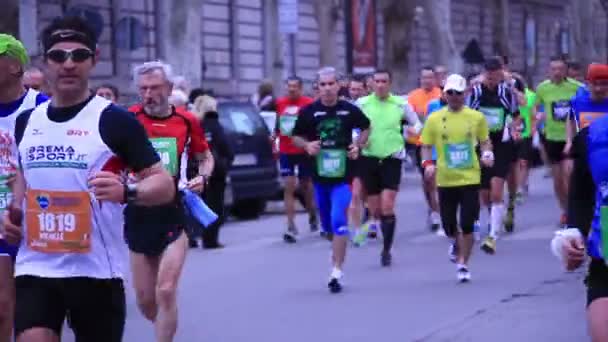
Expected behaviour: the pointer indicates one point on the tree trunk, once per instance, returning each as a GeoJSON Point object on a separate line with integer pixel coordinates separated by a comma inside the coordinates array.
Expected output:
{"type": "Point", "coordinates": [276, 63]}
{"type": "Point", "coordinates": [500, 29]}
{"type": "Point", "coordinates": [327, 13]}
{"type": "Point", "coordinates": [398, 18]}
{"type": "Point", "coordinates": [581, 15]}
{"type": "Point", "coordinates": [440, 25]}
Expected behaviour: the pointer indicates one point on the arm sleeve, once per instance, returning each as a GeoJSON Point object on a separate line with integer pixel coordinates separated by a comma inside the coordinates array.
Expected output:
{"type": "Point", "coordinates": [127, 138]}
{"type": "Point", "coordinates": [412, 117]}
{"type": "Point", "coordinates": [581, 197]}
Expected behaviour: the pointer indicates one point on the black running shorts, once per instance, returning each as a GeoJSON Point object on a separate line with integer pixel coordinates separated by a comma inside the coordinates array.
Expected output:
{"type": "Point", "coordinates": [450, 200]}
{"type": "Point", "coordinates": [96, 307]}
{"type": "Point", "coordinates": [504, 157]}
{"type": "Point", "coordinates": [597, 281]}
{"type": "Point", "coordinates": [379, 174]}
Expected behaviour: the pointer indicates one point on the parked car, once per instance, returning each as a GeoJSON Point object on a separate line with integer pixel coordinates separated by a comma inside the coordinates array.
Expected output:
{"type": "Point", "coordinates": [253, 177]}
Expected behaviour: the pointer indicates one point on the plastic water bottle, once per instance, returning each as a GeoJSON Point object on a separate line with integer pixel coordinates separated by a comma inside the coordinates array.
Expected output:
{"type": "Point", "coordinates": [198, 208]}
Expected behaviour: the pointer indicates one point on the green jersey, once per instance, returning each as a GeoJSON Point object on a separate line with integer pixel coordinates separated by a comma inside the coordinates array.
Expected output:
{"type": "Point", "coordinates": [526, 112]}
{"type": "Point", "coordinates": [555, 98]}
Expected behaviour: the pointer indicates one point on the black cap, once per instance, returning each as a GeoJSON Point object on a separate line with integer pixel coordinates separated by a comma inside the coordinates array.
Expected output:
{"type": "Point", "coordinates": [492, 64]}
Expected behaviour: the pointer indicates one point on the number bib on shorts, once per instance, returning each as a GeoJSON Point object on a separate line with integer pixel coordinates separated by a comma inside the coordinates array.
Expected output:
{"type": "Point", "coordinates": [459, 156]}
{"type": "Point", "coordinates": [58, 221]}
{"type": "Point", "coordinates": [561, 110]}
{"type": "Point", "coordinates": [167, 150]}
{"type": "Point", "coordinates": [331, 163]}
{"type": "Point", "coordinates": [495, 117]}
{"type": "Point", "coordinates": [287, 123]}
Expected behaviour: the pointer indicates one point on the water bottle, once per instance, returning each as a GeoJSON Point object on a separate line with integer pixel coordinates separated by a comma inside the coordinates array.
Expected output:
{"type": "Point", "coordinates": [198, 209]}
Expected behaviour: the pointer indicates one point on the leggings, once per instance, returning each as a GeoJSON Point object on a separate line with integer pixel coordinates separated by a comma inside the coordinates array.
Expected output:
{"type": "Point", "coordinates": [333, 201]}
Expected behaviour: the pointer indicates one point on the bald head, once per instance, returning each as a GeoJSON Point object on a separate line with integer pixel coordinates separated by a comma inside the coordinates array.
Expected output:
{"type": "Point", "coordinates": [33, 78]}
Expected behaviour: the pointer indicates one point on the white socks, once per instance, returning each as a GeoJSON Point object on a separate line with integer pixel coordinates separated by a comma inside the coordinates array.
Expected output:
{"type": "Point", "coordinates": [336, 273]}
{"type": "Point", "coordinates": [496, 217]}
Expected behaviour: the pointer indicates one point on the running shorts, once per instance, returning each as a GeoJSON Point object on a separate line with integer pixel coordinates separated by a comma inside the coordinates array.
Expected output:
{"type": "Point", "coordinates": [380, 174]}
{"type": "Point", "coordinates": [151, 239]}
{"type": "Point", "coordinates": [289, 162]}
{"type": "Point", "coordinates": [96, 307]}
{"type": "Point", "coordinates": [333, 201]}
{"type": "Point", "coordinates": [523, 149]}
{"type": "Point", "coordinates": [554, 150]}
{"type": "Point", "coordinates": [504, 157]}
{"type": "Point", "coordinates": [7, 250]}
{"type": "Point", "coordinates": [450, 200]}
{"type": "Point", "coordinates": [596, 281]}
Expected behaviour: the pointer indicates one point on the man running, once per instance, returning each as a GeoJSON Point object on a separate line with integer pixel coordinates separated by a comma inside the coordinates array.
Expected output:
{"type": "Point", "coordinates": [324, 130]}
{"type": "Point", "coordinates": [587, 202]}
{"type": "Point", "coordinates": [494, 98]}
{"type": "Point", "coordinates": [454, 131]}
{"type": "Point", "coordinates": [72, 260]}
{"type": "Point", "coordinates": [523, 148]}
{"type": "Point", "coordinates": [555, 94]}
{"type": "Point", "coordinates": [419, 99]}
{"type": "Point", "coordinates": [14, 99]}
{"type": "Point", "coordinates": [155, 235]}
{"type": "Point", "coordinates": [293, 161]}
{"type": "Point", "coordinates": [381, 158]}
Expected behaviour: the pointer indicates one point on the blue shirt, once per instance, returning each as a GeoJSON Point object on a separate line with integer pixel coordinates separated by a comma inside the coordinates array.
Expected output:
{"type": "Point", "coordinates": [7, 109]}
{"type": "Point", "coordinates": [434, 106]}
{"type": "Point", "coordinates": [585, 110]}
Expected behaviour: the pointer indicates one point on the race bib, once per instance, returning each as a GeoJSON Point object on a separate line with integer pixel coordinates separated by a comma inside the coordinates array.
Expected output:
{"type": "Point", "coordinates": [494, 116]}
{"type": "Point", "coordinates": [459, 156]}
{"type": "Point", "coordinates": [587, 118]}
{"type": "Point", "coordinates": [6, 196]}
{"type": "Point", "coordinates": [561, 110]}
{"type": "Point", "coordinates": [167, 150]}
{"type": "Point", "coordinates": [287, 123]}
{"type": "Point", "coordinates": [331, 163]}
{"type": "Point", "coordinates": [58, 221]}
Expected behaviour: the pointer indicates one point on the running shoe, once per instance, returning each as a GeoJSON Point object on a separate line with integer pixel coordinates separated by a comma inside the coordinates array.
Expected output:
{"type": "Point", "coordinates": [489, 245]}
{"type": "Point", "coordinates": [463, 274]}
{"type": "Point", "coordinates": [509, 221]}
{"type": "Point", "coordinates": [334, 284]}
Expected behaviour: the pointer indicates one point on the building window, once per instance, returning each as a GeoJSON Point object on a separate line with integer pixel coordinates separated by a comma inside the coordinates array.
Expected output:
{"type": "Point", "coordinates": [90, 14]}
{"type": "Point", "coordinates": [130, 34]}
{"type": "Point", "coordinates": [530, 41]}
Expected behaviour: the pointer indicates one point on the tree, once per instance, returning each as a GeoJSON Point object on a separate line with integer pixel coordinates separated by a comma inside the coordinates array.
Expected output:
{"type": "Point", "coordinates": [500, 28]}
{"type": "Point", "coordinates": [327, 14]}
{"type": "Point", "coordinates": [438, 14]}
{"type": "Point", "coordinates": [398, 17]}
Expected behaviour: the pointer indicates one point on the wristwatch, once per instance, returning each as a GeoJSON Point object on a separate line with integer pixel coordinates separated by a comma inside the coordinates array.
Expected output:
{"type": "Point", "coordinates": [130, 192]}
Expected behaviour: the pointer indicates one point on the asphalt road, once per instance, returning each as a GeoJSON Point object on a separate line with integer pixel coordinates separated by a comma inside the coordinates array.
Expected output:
{"type": "Point", "coordinates": [261, 289]}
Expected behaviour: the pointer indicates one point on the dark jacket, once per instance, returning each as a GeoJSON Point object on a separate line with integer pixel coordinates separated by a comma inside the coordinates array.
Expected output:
{"type": "Point", "coordinates": [220, 148]}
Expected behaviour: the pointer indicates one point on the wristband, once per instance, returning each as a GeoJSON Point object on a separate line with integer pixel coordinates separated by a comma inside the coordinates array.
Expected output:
{"type": "Point", "coordinates": [426, 163]}
{"type": "Point", "coordinates": [487, 155]}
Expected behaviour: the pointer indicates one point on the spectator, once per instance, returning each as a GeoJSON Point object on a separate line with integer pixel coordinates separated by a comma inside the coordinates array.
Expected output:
{"type": "Point", "coordinates": [264, 99]}
{"type": "Point", "coordinates": [205, 107]}
{"type": "Point", "coordinates": [34, 78]}
{"type": "Point", "coordinates": [178, 98]}
{"type": "Point", "coordinates": [108, 91]}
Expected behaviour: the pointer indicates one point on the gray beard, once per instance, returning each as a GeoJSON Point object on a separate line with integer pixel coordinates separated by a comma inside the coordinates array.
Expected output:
{"type": "Point", "coordinates": [157, 112]}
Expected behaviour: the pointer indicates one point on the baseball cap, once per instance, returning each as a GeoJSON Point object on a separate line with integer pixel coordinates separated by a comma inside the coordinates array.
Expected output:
{"type": "Point", "coordinates": [597, 72]}
{"type": "Point", "coordinates": [455, 82]}
{"type": "Point", "coordinates": [12, 47]}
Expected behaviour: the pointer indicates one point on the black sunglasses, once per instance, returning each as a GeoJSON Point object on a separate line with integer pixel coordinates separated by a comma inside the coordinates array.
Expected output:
{"type": "Point", "coordinates": [77, 55]}
{"type": "Point", "coordinates": [454, 92]}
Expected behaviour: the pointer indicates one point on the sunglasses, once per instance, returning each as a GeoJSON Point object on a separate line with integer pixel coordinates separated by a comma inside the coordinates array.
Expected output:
{"type": "Point", "coordinates": [454, 92]}
{"type": "Point", "coordinates": [77, 55]}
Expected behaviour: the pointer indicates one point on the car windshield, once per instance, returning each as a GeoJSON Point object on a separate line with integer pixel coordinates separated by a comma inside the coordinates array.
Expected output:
{"type": "Point", "coordinates": [240, 118]}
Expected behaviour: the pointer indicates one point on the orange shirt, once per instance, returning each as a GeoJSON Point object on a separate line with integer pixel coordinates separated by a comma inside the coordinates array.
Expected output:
{"type": "Point", "coordinates": [419, 99]}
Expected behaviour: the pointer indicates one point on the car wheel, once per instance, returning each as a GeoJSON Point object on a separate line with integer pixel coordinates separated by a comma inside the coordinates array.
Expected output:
{"type": "Point", "coordinates": [248, 209]}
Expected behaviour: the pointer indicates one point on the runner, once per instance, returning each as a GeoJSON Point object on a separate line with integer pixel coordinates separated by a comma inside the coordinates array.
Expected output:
{"type": "Point", "coordinates": [14, 98]}
{"type": "Point", "coordinates": [555, 94]}
{"type": "Point", "coordinates": [588, 104]}
{"type": "Point", "coordinates": [523, 148]}
{"type": "Point", "coordinates": [494, 98]}
{"type": "Point", "coordinates": [72, 258]}
{"type": "Point", "coordinates": [575, 71]}
{"type": "Point", "coordinates": [419, 99]}
{"type": "Point", "coordinates": [155, 234]}
{"type": "Point", "coordinates": [382, 156]}
{"type": "Point", "coordinates": [33, 78]}
{"type": "Point", "coordinates": [586, 212]}
{"type": "Point", "coordinates": [324, 130]}
{"type": "Point", "coordinates": [454, 131]}
{"type": "Point", "coordinates": [294, 161]}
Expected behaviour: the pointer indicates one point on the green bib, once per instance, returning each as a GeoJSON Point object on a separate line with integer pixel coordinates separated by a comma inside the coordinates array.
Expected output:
{"type": "Point", "coordinates": [6, 196]}
{"type": "Point", "coordinates": [287, 123]}
{"type": "Point", "coordinates": [495, 117]}
{"type": "Point", "coordinates": [331, 163]}
{"type": "Point", "coordinates": [459, 156]}
{"type": "Point", "coordinates": [167, 150]}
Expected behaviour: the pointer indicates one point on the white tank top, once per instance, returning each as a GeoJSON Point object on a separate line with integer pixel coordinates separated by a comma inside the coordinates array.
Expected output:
{"type": "Point", "coordinates": [67, 232]}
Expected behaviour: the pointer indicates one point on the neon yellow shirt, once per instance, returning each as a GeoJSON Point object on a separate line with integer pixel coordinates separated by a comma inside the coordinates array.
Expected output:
{"type": "Point", "coordinates": [555, 98]}
{"type": "Point", "coordinates": [455, 135]}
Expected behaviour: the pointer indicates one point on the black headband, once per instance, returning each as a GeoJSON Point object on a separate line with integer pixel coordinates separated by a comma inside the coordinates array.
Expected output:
{"type": "Point", "coordinates": [69, 36]}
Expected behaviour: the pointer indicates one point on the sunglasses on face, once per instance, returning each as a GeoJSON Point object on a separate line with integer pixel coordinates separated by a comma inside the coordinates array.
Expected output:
{"type": "Point", "coordinates": [454, 92]}
{"type": "Point", "coordinates": [77, 55]}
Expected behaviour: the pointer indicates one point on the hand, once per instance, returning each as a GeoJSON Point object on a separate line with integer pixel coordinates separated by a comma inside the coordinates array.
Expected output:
{"type": "Point", "coordinates": [487, 158]}
{"type": "Point", "coordinates": [573, 252]}
{"type": "Point", "coordinates": [353, 151]}
{"type": "Point", "coordinates": [197, 184]}
{"type": "Point", "coordinates": [313, 147]}
{"type": "Point", "coordinates": [429, 172]}
{"type": "Point", "coordinates": [567, 148]}
{"type": "Point", "coordinates": [107, 186]}
{"type": "Point", "coordinates": [11, 231]}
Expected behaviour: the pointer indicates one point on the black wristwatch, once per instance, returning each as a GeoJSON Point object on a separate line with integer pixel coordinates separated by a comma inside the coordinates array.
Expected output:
{"type": "Point", "coordinates": [130, 192]}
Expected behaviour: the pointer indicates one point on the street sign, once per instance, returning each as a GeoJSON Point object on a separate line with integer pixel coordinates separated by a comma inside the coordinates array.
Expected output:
{"type": "Point", "coordinates": [288, 16]}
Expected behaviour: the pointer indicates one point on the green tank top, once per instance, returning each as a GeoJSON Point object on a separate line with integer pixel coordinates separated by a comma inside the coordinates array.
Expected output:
{"type": "Point", "coordinates": [386, 116]}
{"type": "Point", "coordinates": [526, 112]}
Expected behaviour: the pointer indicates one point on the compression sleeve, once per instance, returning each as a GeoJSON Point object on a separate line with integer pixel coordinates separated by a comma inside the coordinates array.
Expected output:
{"type": "Point", "coordinates": [581, 197]}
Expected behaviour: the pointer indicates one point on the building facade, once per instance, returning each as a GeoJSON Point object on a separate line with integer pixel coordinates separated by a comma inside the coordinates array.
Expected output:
{"type": "Point", "coordinates": [237, 38]}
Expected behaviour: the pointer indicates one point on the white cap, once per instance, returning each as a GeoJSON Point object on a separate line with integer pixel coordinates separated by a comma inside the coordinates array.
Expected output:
{"type": "Point", "coordinates": [455, 82]}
